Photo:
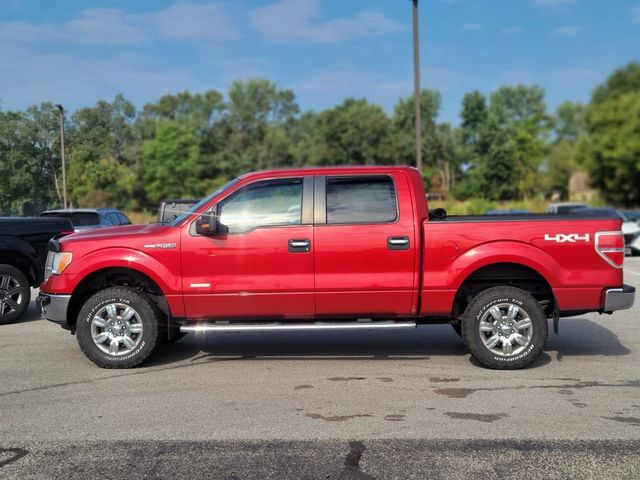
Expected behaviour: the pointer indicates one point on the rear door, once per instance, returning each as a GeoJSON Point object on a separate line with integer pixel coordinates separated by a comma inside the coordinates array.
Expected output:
{"type": "Point", "coordinates": [365, 245]}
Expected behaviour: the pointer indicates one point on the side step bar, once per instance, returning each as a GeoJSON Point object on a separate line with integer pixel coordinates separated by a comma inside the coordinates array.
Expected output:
{"type": "Point", "coordinates": [295, 327]}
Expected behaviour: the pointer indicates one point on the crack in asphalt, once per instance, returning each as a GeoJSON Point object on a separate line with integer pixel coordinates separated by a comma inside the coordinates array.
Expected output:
{"type": "Point", "coordinates": [134, 373]}
{"type": "Point", "coordinates": [15, 454]}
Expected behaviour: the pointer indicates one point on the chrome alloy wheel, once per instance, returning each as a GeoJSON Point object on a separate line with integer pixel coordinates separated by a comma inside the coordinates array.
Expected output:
{"type": "Point", "coordinates": [506, 329]}
{"type": "Point", "coordinates": [10, 294]}
{"type": "Point", "coordinates": [116, 329]}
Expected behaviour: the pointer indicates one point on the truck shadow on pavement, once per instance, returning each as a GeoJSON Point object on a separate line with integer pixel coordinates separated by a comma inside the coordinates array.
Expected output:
{"type": "Point", "coordinates": [32, 314]}
{"type": "Point", "coordinates": [578, 337]}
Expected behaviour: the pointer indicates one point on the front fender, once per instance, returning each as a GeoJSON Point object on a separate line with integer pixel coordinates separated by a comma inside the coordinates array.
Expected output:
{"type": "Point", "coordinates": [15, 244]}
{"type": "Point", "coordinates": [165, 272]}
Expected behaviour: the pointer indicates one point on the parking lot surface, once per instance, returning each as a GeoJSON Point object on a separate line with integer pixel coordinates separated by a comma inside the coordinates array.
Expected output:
{"type": "Point", "coordinates": [324, 405]}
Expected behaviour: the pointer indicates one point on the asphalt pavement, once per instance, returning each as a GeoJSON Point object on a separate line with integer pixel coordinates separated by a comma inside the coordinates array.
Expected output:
{"type": "Point", "coordinates": [403, 404]}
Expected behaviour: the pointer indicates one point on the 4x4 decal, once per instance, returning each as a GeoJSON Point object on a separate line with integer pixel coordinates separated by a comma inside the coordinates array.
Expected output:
{"type": "Point", "coordinates": [567, 237]}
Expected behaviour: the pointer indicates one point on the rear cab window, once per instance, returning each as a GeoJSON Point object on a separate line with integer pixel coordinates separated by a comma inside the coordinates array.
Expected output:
{"type": "Point", "coordinates": [365, 199]}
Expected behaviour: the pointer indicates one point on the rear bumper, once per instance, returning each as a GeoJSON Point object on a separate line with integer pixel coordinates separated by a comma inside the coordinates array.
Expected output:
{"type": "Point", "coordinates": [619, 298]}
{"type": "Point", "coordinates": [54, 307]}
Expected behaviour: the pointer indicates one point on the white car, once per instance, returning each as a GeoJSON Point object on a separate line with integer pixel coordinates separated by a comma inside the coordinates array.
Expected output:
{"type": "Point", "coordinates": [630, 230]}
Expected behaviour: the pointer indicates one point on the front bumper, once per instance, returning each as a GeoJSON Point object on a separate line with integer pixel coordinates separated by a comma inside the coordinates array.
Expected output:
{"type": "Point", "coordinates": [54, 307]}
{"type": "Point", "coordinates": [619, 298]}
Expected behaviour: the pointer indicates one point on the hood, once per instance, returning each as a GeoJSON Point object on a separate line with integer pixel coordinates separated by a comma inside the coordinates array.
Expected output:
{"type": "Point", "coordinates": [117, 236]}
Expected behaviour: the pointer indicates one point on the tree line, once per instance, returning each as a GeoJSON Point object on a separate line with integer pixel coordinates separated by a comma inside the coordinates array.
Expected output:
{"type": "Point", "coordinates": [507, 146]}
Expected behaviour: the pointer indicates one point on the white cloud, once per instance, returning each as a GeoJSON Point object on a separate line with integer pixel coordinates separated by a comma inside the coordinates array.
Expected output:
{"type": "Point", "coordinates": [108, 26]}
{"type": "Point", "coordinates": [472, 26]}
{"type": "Point", "coordinates": [567, 31]}
{"type": "Point", "coordinates": [342, 81]}
{"type": "Point", "coordinates": [296, 20]}
{"type": "Point", "coordinates": [32, 77]}
{"type": "Point", "coordinates": [552, 3]}
{"type": "Point", "coordinates": [192, 21]}
{"type": "Point", "coordinates": [93, 55]}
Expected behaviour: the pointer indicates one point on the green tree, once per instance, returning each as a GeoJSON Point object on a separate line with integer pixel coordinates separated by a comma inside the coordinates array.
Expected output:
{"type": "Point", "coordinates": [403, 122]}
{"type": "Point", "coordinates": [355, 132]}
{"type": "Point", "coordinates": [611, 152]}
{"type": "Point", "coordinates": [29, 160]}
{"type": "Point", "coordinates": [108, 179]}
{"type": "Point", "coordinates": [103, 153]}
{"type": "Point", "coordinates": [570, 122]}
{"type": "Point", "coordinates": [613, 148]}
{"type": "Point", "coordinates": [171, 163]}
{"type": "Point", "coordinates": [521, 112]}
{"type": "Point", "coordinates": [620, 82]}
{"type": "Point", "coordinates": [255, 129]}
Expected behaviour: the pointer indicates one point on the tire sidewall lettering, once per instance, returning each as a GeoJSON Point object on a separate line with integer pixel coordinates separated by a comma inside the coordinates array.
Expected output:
{"type": "Point", "coordinates": [101, 304]}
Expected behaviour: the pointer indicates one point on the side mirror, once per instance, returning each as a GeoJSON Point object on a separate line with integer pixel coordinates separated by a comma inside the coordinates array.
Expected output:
{"type": "Point", "coordinates": [208, 225]}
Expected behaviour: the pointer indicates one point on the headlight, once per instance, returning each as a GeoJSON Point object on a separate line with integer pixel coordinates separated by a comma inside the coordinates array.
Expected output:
{"type": "Point", "coordinates": [56, 263]}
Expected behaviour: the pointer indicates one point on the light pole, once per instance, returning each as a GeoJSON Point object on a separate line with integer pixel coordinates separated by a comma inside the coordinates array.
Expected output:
{"type": "Point", "coordinates": [64, 167]}
{"type": "Point", "coordinates": [416, 86]}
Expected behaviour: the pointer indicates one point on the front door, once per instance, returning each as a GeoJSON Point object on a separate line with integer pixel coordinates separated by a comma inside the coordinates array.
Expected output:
{"type": "Point", "coordinates": [263, 266]}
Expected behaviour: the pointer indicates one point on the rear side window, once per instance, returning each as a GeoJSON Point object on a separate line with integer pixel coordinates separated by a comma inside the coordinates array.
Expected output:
{"type": "Point", "coordinates": [368, 199]}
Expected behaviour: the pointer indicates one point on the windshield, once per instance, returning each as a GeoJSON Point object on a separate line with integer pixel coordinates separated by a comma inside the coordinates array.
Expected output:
{"type": "Point", "coordinates": [178, 220]}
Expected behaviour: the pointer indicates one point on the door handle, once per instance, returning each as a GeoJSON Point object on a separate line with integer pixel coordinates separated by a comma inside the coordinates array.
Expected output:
{"type": "Point", "coordinates": [398, 243]}
{"type": "Point", "coordinates": [299, 245]}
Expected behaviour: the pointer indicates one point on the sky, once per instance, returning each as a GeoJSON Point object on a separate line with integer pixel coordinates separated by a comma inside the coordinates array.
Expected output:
{"type": "Point", "coordinates": [76, 52]}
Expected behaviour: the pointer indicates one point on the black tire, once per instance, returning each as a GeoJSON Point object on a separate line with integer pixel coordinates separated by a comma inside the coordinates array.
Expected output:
{"type": "Point", "coordinates": [146, 315]}
{"type": "Point", "coordinates": [528, 307]}
{"type": "Point", "coordinates": [13, 306]}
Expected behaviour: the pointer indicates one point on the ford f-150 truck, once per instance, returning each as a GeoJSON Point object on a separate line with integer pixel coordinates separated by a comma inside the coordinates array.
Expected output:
{"type": "Point", "coordinates": [332, 248]}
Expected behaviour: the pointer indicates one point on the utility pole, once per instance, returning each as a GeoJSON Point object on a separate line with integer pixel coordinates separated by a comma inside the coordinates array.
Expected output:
{"type": "Point", "coordinates": [64, 167]}
{"type": "Point", "coordinates": [416, 85]}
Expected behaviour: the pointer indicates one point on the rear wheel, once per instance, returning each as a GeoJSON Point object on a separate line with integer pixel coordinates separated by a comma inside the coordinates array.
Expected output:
{"type": "Point", "coordinates": [15, 294]}
{"type": "Point", "coordinates": [504, 328]}
{"type": "Point", "coordinates": [118, 328]}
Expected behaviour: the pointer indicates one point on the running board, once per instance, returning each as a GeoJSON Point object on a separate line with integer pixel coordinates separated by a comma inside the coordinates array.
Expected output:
{"type": "Point", "coordinates": [295, 327]}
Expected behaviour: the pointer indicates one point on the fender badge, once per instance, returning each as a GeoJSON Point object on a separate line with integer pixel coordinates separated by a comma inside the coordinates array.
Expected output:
{"type": "Point", "coordinates": [160, 245]}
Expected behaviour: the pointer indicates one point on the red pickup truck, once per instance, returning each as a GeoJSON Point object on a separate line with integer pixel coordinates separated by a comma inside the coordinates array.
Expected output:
{"type": "Point", "coordinates": [332, 248]}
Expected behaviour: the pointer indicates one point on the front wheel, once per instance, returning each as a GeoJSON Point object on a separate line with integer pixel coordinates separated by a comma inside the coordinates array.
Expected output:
{"type": "Point", "coordinates": [118, 328]}
{"type": "Point", "coordinates": [504, 328]}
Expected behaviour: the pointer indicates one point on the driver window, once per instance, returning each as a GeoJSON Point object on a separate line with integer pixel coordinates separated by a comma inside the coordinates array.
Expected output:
{"type": "Point", "coordinates": [261, 204]}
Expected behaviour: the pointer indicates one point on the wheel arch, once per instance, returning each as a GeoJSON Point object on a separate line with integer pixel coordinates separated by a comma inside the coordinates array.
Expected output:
{"type": "Point", "coordinates": [508, 274]}
{"type": "Point", "coordinates": [22, 262]}
{"type": "Point", "coordinates": [116, 276]}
